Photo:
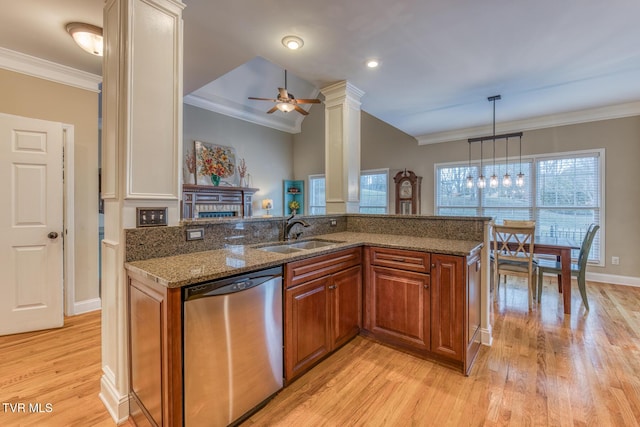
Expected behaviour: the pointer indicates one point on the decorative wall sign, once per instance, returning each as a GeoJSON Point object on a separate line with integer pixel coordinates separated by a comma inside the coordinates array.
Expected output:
{"type": "Point", "coordinates": [215, 164]}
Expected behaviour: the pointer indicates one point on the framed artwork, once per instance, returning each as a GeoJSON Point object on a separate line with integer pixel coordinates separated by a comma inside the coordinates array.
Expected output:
{"type": "Point", "coordinates": [215, 164]}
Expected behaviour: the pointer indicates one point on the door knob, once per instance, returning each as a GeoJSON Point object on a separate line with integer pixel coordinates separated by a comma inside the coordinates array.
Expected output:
{"type": "Point", "coordinates": [52, 235]}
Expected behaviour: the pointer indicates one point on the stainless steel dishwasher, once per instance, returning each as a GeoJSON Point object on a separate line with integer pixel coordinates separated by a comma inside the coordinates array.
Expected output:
{"type": "Point", "coordinates": [232, 346]}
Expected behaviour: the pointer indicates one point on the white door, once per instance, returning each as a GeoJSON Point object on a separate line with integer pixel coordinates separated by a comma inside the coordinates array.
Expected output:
{"type": "Point", "coordinates": [31, 225]}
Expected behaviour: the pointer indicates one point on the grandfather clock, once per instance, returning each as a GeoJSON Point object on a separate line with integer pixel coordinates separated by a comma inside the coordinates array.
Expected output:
{"type": "Point", "coordinates": [407, 193]}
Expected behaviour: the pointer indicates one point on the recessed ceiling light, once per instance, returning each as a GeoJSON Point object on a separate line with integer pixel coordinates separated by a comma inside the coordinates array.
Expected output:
{"type": "Point", "coordinates": [373, 63]}
{"type": "Point", "coordinates": [87, 36]}
{"type": "Point", "coordinates": [292, 42]}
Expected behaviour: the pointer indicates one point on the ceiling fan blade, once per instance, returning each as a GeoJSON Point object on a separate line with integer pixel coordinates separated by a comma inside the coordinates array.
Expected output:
{"type": "Point", "coordinates": [308, 101]}
{"type": "Point", "coordinates": [300, 110]}
{"type": "Point", "coordinates": [272, 110]}
{"type": "Point", "coordinates": [264, 99]}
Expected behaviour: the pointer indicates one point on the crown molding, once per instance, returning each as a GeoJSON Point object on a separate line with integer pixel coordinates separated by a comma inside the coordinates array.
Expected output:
{"type": "Point", "coordinates": [552, 120]}
{"type": "Point", "coordinates": [262, 119]}
{"type": "Point", "coordinates": [47, 70]}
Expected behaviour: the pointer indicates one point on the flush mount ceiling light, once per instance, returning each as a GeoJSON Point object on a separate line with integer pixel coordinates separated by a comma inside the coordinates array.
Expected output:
{"type": "Point", "coordinates": [373, 63]}
{"type": "Point", "coordinates": [87, 36]}
{"type": "Point", "coordinates": [292, 42]}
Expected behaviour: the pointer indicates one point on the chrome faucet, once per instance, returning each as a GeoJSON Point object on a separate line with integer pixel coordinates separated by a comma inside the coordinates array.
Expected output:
{"type": "Point", "coordinates": [289, 224]}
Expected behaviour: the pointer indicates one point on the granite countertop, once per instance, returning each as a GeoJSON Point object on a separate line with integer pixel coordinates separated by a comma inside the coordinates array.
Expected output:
{"type": "Point", "coordinates": [181, 270]}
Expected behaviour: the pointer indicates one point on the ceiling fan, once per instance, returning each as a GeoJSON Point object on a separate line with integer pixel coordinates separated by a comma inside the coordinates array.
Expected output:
{"type": "Point", "coordinates": [286, 101]}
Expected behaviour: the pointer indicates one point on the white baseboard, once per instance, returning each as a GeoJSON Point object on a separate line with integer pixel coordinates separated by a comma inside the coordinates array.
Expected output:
{"type": "Point", "coordinates": [86, 306]}
{"type": "Point", "coordinates": [117, 405]}
{"type": "Point", "coordinates": [486, 338]}
{"type": "Point", "coordinates": [614, 279]}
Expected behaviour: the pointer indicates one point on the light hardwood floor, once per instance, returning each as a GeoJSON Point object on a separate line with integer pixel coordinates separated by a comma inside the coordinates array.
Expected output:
{"type": "Point", "coordinates": [543, 369]}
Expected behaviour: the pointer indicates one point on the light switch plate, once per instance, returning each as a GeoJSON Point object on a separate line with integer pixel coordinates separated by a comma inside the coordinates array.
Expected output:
{"type": "Point", "coordinates": [151, 217]}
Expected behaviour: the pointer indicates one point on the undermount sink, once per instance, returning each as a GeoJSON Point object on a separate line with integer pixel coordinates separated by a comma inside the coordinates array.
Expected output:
{"type": "Point", "coordinates": [283, 249]}
{"type": "Point", "coordinates": [290, 248]}
{"type": "Point", "coordinates": [312, 244]}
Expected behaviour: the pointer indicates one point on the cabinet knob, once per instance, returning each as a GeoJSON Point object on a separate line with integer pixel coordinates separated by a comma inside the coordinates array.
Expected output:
{"type": "Point", "coordinates": [332, 286]}
{"type": "Point", "coordinates": [426, 286]}
{"type": "Point", "coordinates": [433, 266]}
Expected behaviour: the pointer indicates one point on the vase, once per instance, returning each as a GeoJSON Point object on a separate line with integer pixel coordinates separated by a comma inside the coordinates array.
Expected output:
{"type": "Point", "coordinates": [215, 180]}
{"type": "Point", "coordinates": [243, 182]}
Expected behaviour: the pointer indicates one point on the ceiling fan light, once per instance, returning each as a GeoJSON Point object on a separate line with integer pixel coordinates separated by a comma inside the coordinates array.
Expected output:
{"type": "Point", "coordinates": [88, 37]}
{"type": "Point", "coordinates": [292, 42]}
{"type": "Point", "coordinates": [285, 107]}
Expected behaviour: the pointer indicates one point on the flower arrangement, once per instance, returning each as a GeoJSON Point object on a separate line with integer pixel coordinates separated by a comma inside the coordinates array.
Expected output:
{"type": "Point", "coordinates": [294, 205]}
{"type": "Point", "coordinates": [216, 161]}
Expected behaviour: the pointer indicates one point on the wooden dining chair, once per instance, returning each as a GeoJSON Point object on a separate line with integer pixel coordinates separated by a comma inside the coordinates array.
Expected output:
{"type": "Point", "coordinates": [519, 223]}
{"type": "Point", "coordinates": [513, 254]}
{"type": "Point", "coordinates": [578, 270]}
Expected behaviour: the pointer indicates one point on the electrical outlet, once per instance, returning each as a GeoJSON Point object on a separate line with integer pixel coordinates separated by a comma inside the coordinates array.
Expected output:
{"type": "Point", "coordinates": [615, 260]}
{"type": "Point", "coordinates": [333, 222]}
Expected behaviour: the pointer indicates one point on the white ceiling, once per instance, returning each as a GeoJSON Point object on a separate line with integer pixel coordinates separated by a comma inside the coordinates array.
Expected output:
{"type": "Point", "coordinates": [440, 60]}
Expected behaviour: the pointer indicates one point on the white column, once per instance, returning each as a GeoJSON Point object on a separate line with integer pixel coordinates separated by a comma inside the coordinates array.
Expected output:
{"type": "Point", "coordinates": [342, 147]}
{"type": "Point", "coordinates": [141, 155]}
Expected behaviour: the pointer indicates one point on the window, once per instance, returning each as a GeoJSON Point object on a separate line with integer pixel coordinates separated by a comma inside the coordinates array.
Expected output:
{"type": "Point", "coordinates": [374, 192]}
{"type": "Point", "coordinates": [562, 193]}
{"type": "Point", "coordinates": [317, 203]}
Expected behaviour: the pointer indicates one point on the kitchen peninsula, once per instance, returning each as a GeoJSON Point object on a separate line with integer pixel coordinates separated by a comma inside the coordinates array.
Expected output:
{"type": "Point", "coordinates": [414, 283]}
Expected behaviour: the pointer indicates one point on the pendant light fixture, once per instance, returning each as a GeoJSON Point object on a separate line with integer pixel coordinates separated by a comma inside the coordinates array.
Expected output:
{"type": "Point", "coordinates": [506, 179]}
{"type": "Point", "coordinates": [469, 177]}
{"type": "Point", "coordinates": [481, 179]}
{"type": "Point", "coordinates": [493, 181]}
{"type": "Point", "coordinates": [520, 177]}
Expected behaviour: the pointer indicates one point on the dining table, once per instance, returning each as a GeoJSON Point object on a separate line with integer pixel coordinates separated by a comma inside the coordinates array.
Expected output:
{"type": "Point", "coordinates": [561, 247]}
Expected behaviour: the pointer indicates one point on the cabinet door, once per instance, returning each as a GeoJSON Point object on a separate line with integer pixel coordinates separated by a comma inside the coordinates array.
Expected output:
{"type": "Point", "coordinates": [307, 325]}
{"type": "Point", "coordinates": [399, 307]}
{"type": "Point", "coordinates": [346, 301]}
{"type": "Point", "coordinates": [447, 305]}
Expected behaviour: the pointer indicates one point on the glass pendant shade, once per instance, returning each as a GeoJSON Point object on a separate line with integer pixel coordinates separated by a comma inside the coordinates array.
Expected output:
{"type": "Point", "coordinates": [506, 180]}
{"type": "Point", "coordinates": [482, 182]}
{"type": "Point", "coordinates": [520, 179]}
{"type": "Point", "coordinates": [493, 181]}
{"type": "Point", "coordinates": [469, 181]}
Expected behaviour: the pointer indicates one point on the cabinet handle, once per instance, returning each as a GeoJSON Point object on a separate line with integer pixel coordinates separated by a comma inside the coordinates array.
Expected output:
{"type": "Point", "coordinates": [332, 286]}
{"type": "Point", "coordinates": [398, 259]}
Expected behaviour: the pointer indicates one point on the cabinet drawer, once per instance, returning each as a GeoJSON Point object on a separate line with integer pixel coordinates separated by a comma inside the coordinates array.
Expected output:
{"type": "Point", "coordinates": [401, 259]}
{"type": "Point", "coordinates": [298, 272]}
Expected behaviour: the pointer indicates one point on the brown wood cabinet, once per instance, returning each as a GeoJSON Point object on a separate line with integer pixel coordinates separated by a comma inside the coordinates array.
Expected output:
{"type": "Point", "coordinates": [155, 353]}
{"type": "Point", "coordinates": [323, 306]}
{"type": "Point", "coordinates": [426, 303]}
{"type": "Point", "coordinates": [399, 307]}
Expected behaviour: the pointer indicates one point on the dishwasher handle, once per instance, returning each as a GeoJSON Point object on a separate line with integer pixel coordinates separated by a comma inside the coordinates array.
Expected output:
{"type": "Point", "coordinates": [232, 285]}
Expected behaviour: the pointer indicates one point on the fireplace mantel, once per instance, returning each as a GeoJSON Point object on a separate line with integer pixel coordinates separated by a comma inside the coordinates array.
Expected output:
{"type": "Point", "coordinates": [216, 198]}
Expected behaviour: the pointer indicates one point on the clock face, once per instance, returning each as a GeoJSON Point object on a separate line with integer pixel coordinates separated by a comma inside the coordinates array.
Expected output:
{"type": "Point", "coordinates": [406, 190]}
